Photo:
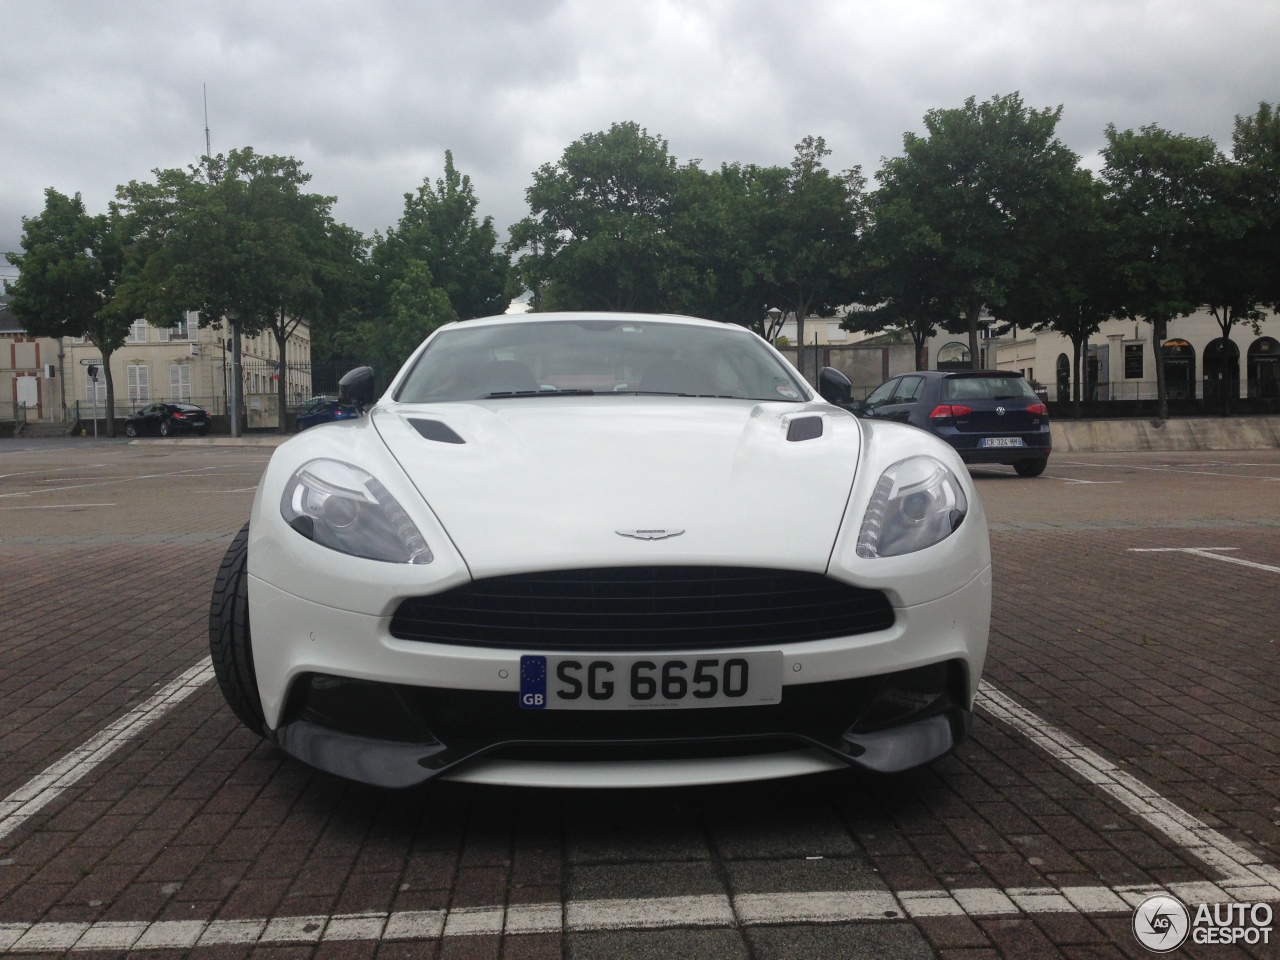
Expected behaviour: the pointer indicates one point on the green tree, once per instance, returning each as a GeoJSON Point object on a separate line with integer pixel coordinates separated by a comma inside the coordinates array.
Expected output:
{"type": "Point", "coordinates": [1159, 191]}
{"type": "Point", "coordinates": [808, 221]}
{"type": "Point", "coordinates": [237, 237]}
{"type": "Point", "coordinates": [1256, 149]}
{"type": "Point", "coordinates": [69, 285]}
{"type": "Point", "coordinates": [439, 229]}
{"type": "Point", "coordinates": [989, 180]}
{"type": "Point", "coordinates": [414, 307]}
{"type": "Point", "coordinates": [1076, 289]}
{"type": "Point", "coordinates": [902, 277]}
{"type": "Point", "coordinates": [600, 218]}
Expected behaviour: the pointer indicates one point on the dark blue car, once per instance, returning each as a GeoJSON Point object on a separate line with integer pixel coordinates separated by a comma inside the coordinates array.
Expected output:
{"type": "Point", "coordinates": [989, 416]}
{"type": "Point", "coordinates": [323, 410]}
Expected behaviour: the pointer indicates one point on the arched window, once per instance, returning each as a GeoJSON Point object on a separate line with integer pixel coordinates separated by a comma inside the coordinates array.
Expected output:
{"type": "Point", "coordinates": [953, 356]}
{"type": "Point", "coordinates": [1264, 367]}
{"type": "Point", "coordinates": [1221, 369]}
{"type": "Point", "coordinates": [1179, 370]}
{"type": "Point", "coordinates": [1064, 377]}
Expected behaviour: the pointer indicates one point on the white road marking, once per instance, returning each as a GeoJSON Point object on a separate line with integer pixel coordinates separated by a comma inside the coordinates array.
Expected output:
{"type": "Point", "coordinates": [45, 787]}
{"type": "Point", "coordinates": [28, 473]}
{"type": "Point", "coordinates": [709, 910]}
{"type": "Point", "coordinates": [1243, 872]}
{"type": "Point", "coordinates": [60, 506]}
{"type": "Point", "coordinates": [113, 480]}
{"type": "Point", "coordinates": [1177, 468]}
{"type": "Point", "coordinates": [1211, 553]}
{"type": "Point", "coordinates": [1074, 480]}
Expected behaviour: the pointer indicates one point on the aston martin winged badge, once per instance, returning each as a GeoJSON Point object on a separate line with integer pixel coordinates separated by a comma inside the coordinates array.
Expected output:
{"type": "Point", "coordinates": [649, 534]}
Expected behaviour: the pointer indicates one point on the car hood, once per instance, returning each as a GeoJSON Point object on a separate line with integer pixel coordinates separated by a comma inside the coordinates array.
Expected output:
{"type": "Point", "coordinates": [546, 483]}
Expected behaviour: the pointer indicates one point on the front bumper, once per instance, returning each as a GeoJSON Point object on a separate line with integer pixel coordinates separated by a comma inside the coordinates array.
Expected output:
{"type": "Point", "coordinates": [425, 710]}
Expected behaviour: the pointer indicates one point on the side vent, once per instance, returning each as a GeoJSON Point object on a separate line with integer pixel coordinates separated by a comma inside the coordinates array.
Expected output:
{"type": "Point", "coordinates": [435, 430]}
{"type": "Point", "coordinates": [804, 428]}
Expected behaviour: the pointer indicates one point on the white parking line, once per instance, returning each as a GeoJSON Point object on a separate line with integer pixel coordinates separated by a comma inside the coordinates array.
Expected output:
{"type": "Point", "coordinates": [1245, 876]}
{"type": "Point", "coordinates": [1178, 468]}
{"type": "Point", "coordinates": [576, 916]}
{"type": "Point", "coordinates": [1212, 553]}
{"type": "Point", "coordinates": [60, 506]}
{"type": "Point", "coordinates": [111, 480]}
{"type": "Point", "coordinates": [45, 787]}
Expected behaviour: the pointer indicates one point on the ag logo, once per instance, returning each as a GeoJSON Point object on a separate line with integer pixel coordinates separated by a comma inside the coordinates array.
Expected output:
{"type": "Point", "coordinates": [999, 411]}
{"type": "Point", "coordinates": [1161, 923]}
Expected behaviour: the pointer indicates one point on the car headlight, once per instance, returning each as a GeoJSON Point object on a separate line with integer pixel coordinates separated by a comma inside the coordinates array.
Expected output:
{"type": "Point", "coordinates": [916, 503]}
{"type": "Point", "coordinates": [344, 508]}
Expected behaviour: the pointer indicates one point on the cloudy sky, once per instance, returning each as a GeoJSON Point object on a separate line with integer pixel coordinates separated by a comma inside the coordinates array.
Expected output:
{"type": "Point", "coordinates": [369, 95]}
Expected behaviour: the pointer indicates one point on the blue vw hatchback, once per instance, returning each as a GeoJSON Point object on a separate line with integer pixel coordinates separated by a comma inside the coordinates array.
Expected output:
{"type": "Point", "coordinates": [323, 410]}
{"type": "Point", "coordinates": [989, 416]}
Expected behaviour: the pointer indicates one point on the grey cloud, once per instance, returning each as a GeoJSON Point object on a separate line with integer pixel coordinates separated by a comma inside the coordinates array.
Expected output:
{"type": "Point", "coordinates": [370, 95]}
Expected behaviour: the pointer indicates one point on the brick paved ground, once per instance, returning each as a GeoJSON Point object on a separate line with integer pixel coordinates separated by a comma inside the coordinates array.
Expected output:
{"type": "Point", "coordinates": [1162, 662]}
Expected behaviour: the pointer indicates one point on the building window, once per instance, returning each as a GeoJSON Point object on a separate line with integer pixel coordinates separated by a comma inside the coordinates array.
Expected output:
{"type": "Point", "coordinates": [179, 381]}
{"type": "Point", "coordinates": [138, 332]}
{"type": "Point", "coordinates": [139, 383]}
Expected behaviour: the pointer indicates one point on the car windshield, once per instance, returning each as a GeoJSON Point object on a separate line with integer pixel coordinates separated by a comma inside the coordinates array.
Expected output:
{"type": "Point", "coordinates": [987, 388]}
{"type": "Point", "coordinates": [574, 357]}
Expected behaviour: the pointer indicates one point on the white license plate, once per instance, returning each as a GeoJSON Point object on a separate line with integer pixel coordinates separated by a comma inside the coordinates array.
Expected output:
{"type": "Point", "coordinates": [662, 681]}
{"type": "Point", "coordinates": [1001, 442]}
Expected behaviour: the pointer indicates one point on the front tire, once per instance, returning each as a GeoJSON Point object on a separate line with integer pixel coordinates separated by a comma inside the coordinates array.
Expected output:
{"type": "Point", "coordinates": [130, 430]}
{"type": "Point", "coordinates": [230, 643]}
{"type": "Point", "coordinates": [1030, 468]}
{"type": "Point", "coordinates": [165, 429]}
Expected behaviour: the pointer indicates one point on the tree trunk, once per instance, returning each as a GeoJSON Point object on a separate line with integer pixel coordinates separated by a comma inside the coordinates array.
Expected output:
{"type": "Point", "coordinates": [282, 371]}
{"type": "Point", "coordinates": [975, 310]}
{"type": "Point", "coordinates": [110, 412]}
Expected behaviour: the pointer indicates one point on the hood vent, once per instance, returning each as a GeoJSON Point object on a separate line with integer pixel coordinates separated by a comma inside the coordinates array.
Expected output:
{"type": "Point", "coordinates": [440, 432]}
{"type": "Point", "coordinates": [804, 428]}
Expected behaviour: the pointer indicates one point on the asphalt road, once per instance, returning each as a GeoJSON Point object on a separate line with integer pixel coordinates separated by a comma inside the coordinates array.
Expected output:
{"type": "Point", "coordinates": [1128, 742]}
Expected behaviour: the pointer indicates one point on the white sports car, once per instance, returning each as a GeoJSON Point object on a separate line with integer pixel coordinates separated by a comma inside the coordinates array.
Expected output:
{"type": "Point", "coordinates": [605, 550]}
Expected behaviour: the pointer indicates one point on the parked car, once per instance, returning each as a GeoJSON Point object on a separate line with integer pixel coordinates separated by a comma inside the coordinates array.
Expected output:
{"type": "Point", "coordinates": [324, 410]}
{"type": "Point", "coordinates": [604, 550]}
{"type": "Point", "coordinates": [167, 419]}
{"type": "Point", "coordinates": [988, 416]}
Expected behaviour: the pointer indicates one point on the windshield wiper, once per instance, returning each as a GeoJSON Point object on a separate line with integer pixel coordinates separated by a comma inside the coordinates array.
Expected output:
{"type": "Point", "coordinates": [504, 394]}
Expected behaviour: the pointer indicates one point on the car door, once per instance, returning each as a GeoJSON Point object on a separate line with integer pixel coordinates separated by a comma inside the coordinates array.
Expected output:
{"type": "Point", "coordinates": [152, 416]}
{"type": "Point", "coordinates": [878, 399]}
{"type": "Point", "coordinates": [905, 397]}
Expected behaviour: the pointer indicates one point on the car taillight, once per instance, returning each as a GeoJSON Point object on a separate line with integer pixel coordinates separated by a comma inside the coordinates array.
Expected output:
{"type": "Point", "coordinates": [178, 415]}
{"type": "Point", "coordinates": [1038, 409]}
{"type": "Point", "coordinates": [950, 410]}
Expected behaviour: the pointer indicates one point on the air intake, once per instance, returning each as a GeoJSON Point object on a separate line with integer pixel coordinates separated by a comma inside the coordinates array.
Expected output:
{"type": "Point", "coordinates": [643, 608]}
{"type": "Point", "coordinates": [804, 428]}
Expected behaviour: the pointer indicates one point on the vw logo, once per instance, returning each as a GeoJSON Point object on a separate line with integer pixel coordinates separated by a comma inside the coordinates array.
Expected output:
{"type": "Point", "coordinates": [999, 411]}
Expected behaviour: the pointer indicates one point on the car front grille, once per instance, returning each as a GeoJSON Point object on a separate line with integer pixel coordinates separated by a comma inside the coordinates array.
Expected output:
{"type": "Point", "coordinates": [643, 608]}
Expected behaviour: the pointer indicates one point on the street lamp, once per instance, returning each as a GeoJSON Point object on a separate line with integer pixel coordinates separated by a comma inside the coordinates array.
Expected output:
{"type": "Point", "coordinates": [771, 328]}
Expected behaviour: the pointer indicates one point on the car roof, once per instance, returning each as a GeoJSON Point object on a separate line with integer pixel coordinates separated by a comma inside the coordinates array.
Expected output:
{"type": "Point", "coordinates": [571, 315]}
{"type": "Point", "coordinates": [944, 374]}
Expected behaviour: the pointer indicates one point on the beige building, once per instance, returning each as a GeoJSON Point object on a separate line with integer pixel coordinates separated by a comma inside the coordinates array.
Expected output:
{"type": "Point", "coordinates": [29, 388]}
{"type": "Point", "coordinates": [185, 362]}
{"type": "Point", "coordinates": [1199, 364]}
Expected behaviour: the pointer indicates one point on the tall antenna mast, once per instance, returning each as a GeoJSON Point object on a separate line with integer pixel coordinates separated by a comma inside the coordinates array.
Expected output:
{"type": "Point", "coordinates": [208, 150]}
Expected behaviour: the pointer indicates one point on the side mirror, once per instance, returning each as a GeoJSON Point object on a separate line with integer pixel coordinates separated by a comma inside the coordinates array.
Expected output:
{"type": "Point", "coordinates": [834, 386]}
{"type": "Point", "coordinates": [356, 387]}
{"type": "Point", "coordinates": [855, 407]}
